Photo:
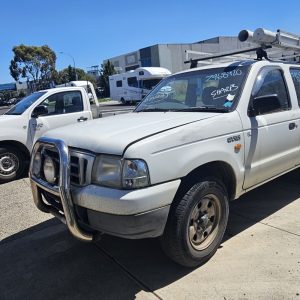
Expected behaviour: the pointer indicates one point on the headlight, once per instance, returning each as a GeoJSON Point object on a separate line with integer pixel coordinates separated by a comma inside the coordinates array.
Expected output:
{"type": "Point", "coordinates": [49, 170]}
{"type": "Point", "coordinates": [37, 164]}
{"type": "Point", "coordinates": [135, 174]}
{"type": "Point", "coordinates": [107, 171]}
{"type": "Point", "coordinates": [112, 171]}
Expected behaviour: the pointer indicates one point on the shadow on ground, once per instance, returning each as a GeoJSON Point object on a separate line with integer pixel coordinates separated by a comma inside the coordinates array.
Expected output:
{"type": "Point", "coordinates": [46, 262]}
{"type": "Point", "coordinates": [25, 175]}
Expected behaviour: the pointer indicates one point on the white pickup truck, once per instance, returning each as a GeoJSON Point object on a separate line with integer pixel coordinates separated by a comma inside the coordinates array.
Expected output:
{"type": "Point", "coordinates": [29, 119]}
{"type": "Point", "coordinates": [201, 138]}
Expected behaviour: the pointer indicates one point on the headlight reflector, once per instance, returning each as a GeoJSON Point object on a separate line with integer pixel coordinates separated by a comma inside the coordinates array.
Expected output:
{"type": "Point", "coordinates": [49, 170]}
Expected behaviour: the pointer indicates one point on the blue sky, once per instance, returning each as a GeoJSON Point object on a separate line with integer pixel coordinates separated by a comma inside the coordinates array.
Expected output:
{"type": "Point", "coordinates": [95, 30]}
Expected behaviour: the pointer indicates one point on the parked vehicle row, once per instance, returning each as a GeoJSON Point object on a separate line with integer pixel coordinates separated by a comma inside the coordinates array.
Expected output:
{"type": "Point", "coordinates": [9, 102]}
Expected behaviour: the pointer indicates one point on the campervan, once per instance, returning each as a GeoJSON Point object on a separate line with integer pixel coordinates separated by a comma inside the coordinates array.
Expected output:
{"type": "Point", "coordinates": [133, 86]}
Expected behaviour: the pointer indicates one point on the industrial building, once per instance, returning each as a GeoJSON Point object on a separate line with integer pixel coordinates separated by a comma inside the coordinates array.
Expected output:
{"type": "Point", "coordinates": [14, 88]}
{"type": "Point", "coordinates": [172, 56]}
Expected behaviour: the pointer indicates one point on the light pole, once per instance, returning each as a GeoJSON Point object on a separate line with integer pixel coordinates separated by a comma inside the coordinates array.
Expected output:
{"type": "Point", "coordinates": [76, 77]}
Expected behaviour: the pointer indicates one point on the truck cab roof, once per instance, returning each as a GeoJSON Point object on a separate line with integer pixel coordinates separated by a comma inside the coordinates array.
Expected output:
{"type": "Point", "coordinates": [57, 89]}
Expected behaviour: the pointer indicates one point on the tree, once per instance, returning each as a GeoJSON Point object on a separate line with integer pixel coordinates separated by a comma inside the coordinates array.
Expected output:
{"type": "Point", "coordinates": [71, 73]}
{"type": "Point", "coordinates": [107, 69]}
{"type": "Point", "coordinates": [37, 64]}
{"type": "Point", "coordinates": [68, 74]}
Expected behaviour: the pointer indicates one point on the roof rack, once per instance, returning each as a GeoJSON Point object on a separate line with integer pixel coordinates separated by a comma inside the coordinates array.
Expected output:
{"type": "Point", "coordinates": [264, 39]}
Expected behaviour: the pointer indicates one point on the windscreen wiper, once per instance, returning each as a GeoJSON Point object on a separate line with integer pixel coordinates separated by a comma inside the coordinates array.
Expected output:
{"type": "Point", "coordinates": [206, 109]}
{"type": "Point", "coordinates": [152, 109]}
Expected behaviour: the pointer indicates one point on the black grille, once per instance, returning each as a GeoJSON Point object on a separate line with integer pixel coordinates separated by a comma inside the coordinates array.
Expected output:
{"type": "Point", "coordinates": [75, 170]}
{"type": "Point", "coordinates": [78, 168]}
{"type": "Point", "coordinates": [53, 200]}
{"type": "Point", "coordinates": [80, 165]}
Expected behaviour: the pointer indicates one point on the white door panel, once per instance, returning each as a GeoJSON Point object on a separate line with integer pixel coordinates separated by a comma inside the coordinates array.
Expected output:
{"type": "Point", "coordinates": [63, 108]}
{"type": "Point", "coordinates": [42, 124]}
{"type": "Point", "coordinates": [271, 147]}
{"type": "Point", "coordinates": [272, 132]}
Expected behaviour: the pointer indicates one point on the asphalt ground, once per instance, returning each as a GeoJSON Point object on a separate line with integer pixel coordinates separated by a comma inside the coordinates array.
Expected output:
{"type": "Point", "coordinates": [259, 257]}
{"type": "Point", "coordinates": [3, 109]}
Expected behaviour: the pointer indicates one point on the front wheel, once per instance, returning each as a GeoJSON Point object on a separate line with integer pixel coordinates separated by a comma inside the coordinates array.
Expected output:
{"type": "Point", "coordinates": [12, 164]}
{"type": "Point", "coordinates": [196, 224]}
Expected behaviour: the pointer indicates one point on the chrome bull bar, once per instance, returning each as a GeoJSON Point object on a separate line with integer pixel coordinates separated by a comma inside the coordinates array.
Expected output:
{"type": "Point", "coordinates": [62, 190]}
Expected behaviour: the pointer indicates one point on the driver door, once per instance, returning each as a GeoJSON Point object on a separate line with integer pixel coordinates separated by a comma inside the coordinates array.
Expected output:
{"type": "Point", "coordinates": [271, 138]}
{"type": "Point", "coordinates": [63, 108]}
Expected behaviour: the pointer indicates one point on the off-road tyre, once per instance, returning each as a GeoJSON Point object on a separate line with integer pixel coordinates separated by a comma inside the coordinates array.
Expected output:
{"type": "Point", "coordinates": [179, 241]}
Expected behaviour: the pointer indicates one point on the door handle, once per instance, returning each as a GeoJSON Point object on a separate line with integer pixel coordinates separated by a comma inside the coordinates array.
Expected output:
{"type": "Point", "coordinates": [82, 119]}
{"type": "Point", "coordinates": [292, 126]}
{"type": "Point", "coordinates": [37, 126]}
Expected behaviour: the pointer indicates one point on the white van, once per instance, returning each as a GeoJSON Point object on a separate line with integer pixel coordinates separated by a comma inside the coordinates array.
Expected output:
{"type": "Point", "coordinates": [134, 85]}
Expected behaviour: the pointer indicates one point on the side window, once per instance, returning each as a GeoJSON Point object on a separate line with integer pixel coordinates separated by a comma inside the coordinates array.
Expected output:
{"type": "Point", "coordinates": [63, 103]}
{"type": "Point", "coordinates": [270, 82]}
{"type": "Point", "coordinates": [132, 81]}
{"type": "Point", "coordinates": [295, 73]}
{"type": "Point", "coordinates": [73, 102]}
{"type": "Point", "coordinates": [119, 83]}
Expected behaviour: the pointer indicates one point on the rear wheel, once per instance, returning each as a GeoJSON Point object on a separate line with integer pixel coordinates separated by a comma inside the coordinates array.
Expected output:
{"type": "Point", "coordinates": [12, 164]}
{"type": "Point", "coordinates": [196, 223]}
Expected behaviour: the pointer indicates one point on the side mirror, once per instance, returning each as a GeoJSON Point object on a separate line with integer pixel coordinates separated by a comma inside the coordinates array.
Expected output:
{"type": "Point", "coordinates": [40, 110]}
{"type": "Point", "coordinates": [262, 105]}
{"type": "Point", "coordinates": [91, 98]}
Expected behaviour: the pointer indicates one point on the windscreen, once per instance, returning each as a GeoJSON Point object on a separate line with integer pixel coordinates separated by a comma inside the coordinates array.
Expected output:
{"type": "Point", "coordinates": [26, 102]}
{"type": "Point", "coordinates": [209, 89]}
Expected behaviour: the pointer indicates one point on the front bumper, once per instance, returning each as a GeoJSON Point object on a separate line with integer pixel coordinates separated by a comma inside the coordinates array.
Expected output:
{"type": "Point", "coordinates": [127, 213]}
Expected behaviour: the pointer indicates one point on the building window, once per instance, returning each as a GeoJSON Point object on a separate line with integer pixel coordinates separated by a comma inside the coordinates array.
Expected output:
{"type": "Point", "coordinates": [119, 83]}
{"type": "Point", "coordinates": [146, 62]}
{"type": "Point", "coordinates": [145, 55]}
{"type": "Point", "coordinates": [131, 58]}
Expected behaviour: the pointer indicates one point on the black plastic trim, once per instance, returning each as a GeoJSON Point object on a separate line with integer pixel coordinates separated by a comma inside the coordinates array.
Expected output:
{"type": "Point", "coordinates": [148, 224]}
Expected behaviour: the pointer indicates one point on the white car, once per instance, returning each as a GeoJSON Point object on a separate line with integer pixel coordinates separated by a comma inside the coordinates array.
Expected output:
{"type": "Point", "coordinates": [30, 118]}
{"type": "Point", "coordinates": [170, 168]}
